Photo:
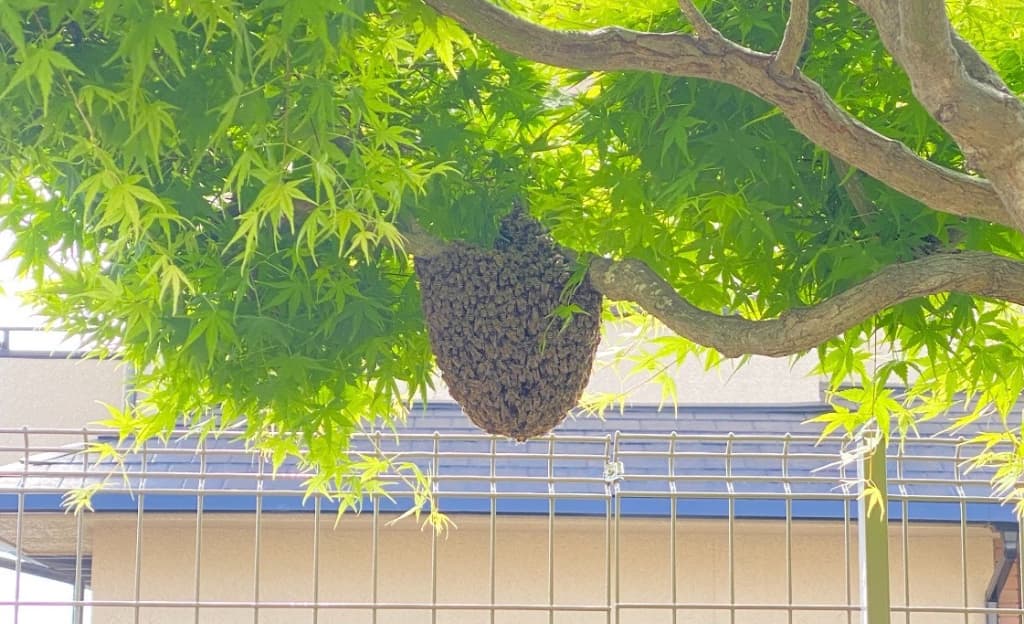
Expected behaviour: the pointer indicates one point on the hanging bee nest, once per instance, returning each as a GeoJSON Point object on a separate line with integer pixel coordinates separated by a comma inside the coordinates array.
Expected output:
{"type": "Point", "coordinates": [514, 366]}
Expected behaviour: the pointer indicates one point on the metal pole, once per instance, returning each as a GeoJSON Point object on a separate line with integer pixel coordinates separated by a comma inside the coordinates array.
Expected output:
{"type": "Point", "coordinates": [78, 611]}
{"type": "Point", "coordinates": [873, 533]}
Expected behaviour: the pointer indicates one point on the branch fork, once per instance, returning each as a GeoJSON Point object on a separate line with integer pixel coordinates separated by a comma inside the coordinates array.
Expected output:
{"type": "Point", "coordinates": [988, 124]}
{"type": "Point", "coordinates": [708, 37]}
{"type": "Point", "coordinates": [787, 56]}
{"type": "Point", "coordinates": [712, 57]}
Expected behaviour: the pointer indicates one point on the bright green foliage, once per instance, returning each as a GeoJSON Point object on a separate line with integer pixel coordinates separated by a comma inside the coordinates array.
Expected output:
{"type": "Point", "coordinates": [214, 189]}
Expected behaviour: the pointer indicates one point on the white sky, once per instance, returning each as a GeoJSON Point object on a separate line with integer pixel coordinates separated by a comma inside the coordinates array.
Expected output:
{"type": "Point", "coordinates": [12, 310]}
{"type": "Point", "coordinates": [15, 313]}
{"type": "Point", "coordinates": [37, 589]}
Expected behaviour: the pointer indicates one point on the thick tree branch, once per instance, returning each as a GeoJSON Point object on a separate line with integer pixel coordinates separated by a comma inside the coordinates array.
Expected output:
{"type": "Point", "coordinates": [808, 107]}
{"type": "Point", "coordinates": [800, 329]}
{"type": "Point", "coordinates": [793, 39]}
{"type": "Point", "coordinates": [959, 90]}
{"type": "Point", "coordinates": [971, 272]}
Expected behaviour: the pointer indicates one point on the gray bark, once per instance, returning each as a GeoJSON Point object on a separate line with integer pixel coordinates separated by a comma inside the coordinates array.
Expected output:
{"type": "Point", "coordinates": [948, 76]}
{"type": "Point", "coordinates": [807, 106]}
{"type": "Point", "coordinates": [959, 90]}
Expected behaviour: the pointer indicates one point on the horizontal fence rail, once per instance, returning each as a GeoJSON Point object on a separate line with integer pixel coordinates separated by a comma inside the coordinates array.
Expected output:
{"type": "Point", "coordinates": [617, 527]}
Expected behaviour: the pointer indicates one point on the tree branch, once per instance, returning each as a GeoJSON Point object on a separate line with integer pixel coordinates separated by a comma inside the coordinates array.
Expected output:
{"type": "Point", "coordinates": [420, 242]}
{"type": "Point", "coordinates": [866, 209]}
{"type": "Point", "coordinates": [975, 273]}
{"type": "Point", "coordinates": [807, 106]}
{"type": "Point", "coordinates": [959, 90]}
{"type": "Point", "coordinates": [793, 39]}
{"type": "Point", "coordinates": [705, 31]}
{"type": "Point", "coordinates": [797, 330]}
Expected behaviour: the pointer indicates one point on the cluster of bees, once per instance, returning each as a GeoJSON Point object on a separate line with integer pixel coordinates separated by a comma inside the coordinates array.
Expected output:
{"type": "Point", "coordinates": [511, 361]}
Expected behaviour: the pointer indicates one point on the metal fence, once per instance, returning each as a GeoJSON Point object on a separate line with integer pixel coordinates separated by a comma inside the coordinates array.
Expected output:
{"type": "Point", "coordinates": [614, 528]}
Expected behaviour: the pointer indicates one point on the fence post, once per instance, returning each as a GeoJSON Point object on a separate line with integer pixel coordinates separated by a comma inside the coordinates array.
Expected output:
{"type": "Point", "coordinates": [873, 535]}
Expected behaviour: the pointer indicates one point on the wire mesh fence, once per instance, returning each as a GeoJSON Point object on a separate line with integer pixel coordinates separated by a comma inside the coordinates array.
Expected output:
{"type": "Point", "coordinates": [608, 528]}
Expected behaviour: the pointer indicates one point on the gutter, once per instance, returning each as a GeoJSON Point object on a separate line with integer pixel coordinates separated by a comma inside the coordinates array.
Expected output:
{"type": "Point", "coordinates": [1004, 565]}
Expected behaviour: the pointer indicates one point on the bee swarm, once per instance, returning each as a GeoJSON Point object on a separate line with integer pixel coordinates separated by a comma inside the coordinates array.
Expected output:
{"type": "Point", "coordinates": [506, 358]}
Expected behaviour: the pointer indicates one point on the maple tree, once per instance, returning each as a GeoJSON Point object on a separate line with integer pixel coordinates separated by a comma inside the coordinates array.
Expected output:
{"type": "Point", "coordinates": [227, 193]}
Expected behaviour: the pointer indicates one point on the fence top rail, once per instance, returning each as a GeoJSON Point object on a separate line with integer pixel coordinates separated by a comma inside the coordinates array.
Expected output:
{"type": "Point", "coordinates": [611, 435]}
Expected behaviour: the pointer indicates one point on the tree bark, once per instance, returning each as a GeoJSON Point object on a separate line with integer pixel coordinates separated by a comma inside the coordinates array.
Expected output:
{"type": "Point", "coordinates": [807, 106]}
{"type": "Point", "coordinates": [947, 74]}
{"type": "Point", "coordinates": [795, 331]}
{"type": "Point", "coordinates": [960, 91]}
{"type": "Point", "coordinates": [793, 39]}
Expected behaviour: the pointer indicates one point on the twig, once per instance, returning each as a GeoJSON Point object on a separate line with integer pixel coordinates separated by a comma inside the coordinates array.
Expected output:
{"type": "Point", "coordinates": [71, 90]}
{"type": "Point", "coordinates": [865, 208]}
{"type": "Point", "coordinates": [793, 39]}
{"type": "Point", "coordinates": [418, 241]}
{"type": "Point", "coordinates": [705, 31]}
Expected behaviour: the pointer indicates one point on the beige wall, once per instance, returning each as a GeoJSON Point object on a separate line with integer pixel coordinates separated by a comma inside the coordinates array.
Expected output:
{"type": "Point", "coordinates": [69, 393]}
{"type": "Point", "coordinates": [761, 380]}
{"type": "Point", "coordinates": [819, 571]}
{"type": "Point", "coordinates": [55, 393]}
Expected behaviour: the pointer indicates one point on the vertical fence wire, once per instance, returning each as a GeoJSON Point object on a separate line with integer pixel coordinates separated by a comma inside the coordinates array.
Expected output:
{"type": "Point", "coordinates": [78, 591]}
{"type": "Point", "coordinates": [257, 541]}
{"type": "Point", "coordinates": [609, 498]}
{"type": "Point", "coordinates": [847, 544]}
{"type": "Point", "coordinates": [788, 490]}
{"type": "Point", "coordinates": [436, 469]}
{"type": "Point", "coordinates": [375, 543]}
{"type": "Point", "coordinates": [961, 495]}
{"type": "Point", "coordinates": [492, 529]}
{"type": "Point", "coordinates": [137, 576]}
{"type": "Point", "coordinates": [317, 510]}
{"type": "Point", "coordinates": [673, 512]}
{"type": "Point", "coordinates": [19, 529]}
{"type": "Point", "coordinates": [904, 529]}
{"type": "Point", "coordinates": [551, 529]}
{"type": "Point", "coordinates": [731, 527]}
{"type": "Point", "coordinates": [617, 540]}
{"type": "Point", "coordinates": [197, 565]}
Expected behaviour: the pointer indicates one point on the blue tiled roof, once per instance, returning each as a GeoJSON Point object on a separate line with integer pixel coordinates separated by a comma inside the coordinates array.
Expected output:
{"type": "Point", "coordinates": [699, 457]}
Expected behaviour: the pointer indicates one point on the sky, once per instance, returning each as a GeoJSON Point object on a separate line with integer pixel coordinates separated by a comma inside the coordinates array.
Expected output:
{"type": "Point", "coordinates": [12, 311]}
{"type": "Point", "coordinates": [36, 589]}
{"type": "Point", "coordinates": [15, 313]}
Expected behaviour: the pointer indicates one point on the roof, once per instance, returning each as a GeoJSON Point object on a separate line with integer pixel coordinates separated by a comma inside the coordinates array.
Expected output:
{"type": "Point", "coordinates": [702, 457]}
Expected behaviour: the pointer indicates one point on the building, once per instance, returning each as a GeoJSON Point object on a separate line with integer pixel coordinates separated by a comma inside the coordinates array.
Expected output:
{"type": "Point", "coordinates": [725, 511]}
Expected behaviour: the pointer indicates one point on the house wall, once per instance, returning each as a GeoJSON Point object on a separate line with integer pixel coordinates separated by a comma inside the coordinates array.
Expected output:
{"type": "Point", "coordinates": [821, 569]}
{"type": "Point", "coordinates": [762, 380]}
{"type": "Point", "coordinates": [54, 393]}
{"type": "Point", "coordinates": [1009, 598]}
{"type": "Point", "coordinates": [71, 393]}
